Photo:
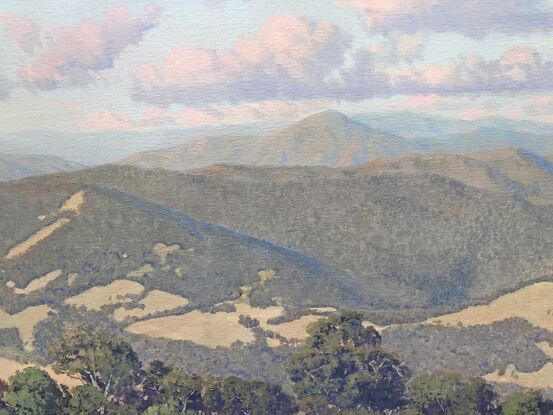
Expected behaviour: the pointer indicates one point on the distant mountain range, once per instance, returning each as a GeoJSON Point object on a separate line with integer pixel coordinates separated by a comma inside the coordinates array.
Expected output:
{"type": "Point", "coordinates": [334, 138]}
{"type": "Point", "coordinates": [331, 139]}
{"type": "Point", "coordinates": [325, 139]}
{"type": "Point", "coordinates": [17, 166]}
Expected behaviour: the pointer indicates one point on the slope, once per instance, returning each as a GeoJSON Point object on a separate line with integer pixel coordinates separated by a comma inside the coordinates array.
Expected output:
{"type": "Point", "coordinates": [115, 235]}
{"type": "Point", "coordinates": [16, 166]}
{"type": "Point", "coordinates": [408, 239]}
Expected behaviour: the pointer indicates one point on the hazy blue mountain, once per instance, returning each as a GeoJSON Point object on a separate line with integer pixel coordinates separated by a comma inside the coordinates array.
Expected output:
{"type": "Point", "coordinates": [331, 139]}
{"type": "Point", "coordinates": [413, 125]}
{"type": "Point", "coordinates": [16, 166]}
{"type": "Point", "coordinates": [440, 134]}
{"type": "Point", "coordinates": [108, 147]}
{"type": "Point", "coordinates": [325, 139]}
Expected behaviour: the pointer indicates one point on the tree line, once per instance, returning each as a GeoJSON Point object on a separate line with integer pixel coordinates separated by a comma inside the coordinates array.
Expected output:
{"type": "Point", "coordinates": [341, 369]}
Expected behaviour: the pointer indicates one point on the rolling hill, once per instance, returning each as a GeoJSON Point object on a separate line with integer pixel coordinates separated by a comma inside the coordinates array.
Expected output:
{"type": "Point", "coordinates": [172, 261]}
{"type": "Point", "coordinates": [405, 240]}
{"type": "Point", "coordinates": [115, 236]}
{"type": "Point", "coordinates": [17, 166]}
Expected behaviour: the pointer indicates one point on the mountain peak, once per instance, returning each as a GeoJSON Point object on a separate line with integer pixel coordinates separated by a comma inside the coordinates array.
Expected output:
{"type": "Point", "coordinates": [326, 116]}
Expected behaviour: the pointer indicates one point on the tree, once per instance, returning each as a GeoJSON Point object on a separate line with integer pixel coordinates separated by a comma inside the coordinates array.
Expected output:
{"type": "Point", "coordinates": [179, 391]}
{"type": "Point", "coordinates": [445, 393]}
{"type": "Point", "coordinates": [3, 406]}
{"type": "Point", "coordinates": [163, 409]}
{"type": "Point", "coordinates": [342, 363]}
{"type": "Point", "coordinates": [523, 403]}
{"type": "Point", "coordinates": [233, 395]}
{"type": "Point", "coordinates": [33, 392]}
{"type": "Point", "coordinates": [107, 363]}
{"type": "Point", "coordinates": [87, 400]}
{"type": "Point", "coordinates": [342, 330]}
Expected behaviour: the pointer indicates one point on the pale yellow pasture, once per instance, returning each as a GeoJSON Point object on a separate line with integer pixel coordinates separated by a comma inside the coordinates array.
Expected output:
{"type": "Point", "coordinates": [141, 272]}
{"type": "Point", "coordinates": [33, 240]}
{"type": "Point", "coordinates": [222, 328]}
{"type": "Point", "coordinates": [74, 204]}
{"type": "Point", "coordinates": [25, 322]}
{"type": "Point", "coordinates": [36, 284]}
{"type": "Point", "coordinates": [155, 301]}
{"type": "Point", "coordinates": [162, 250]}
{"type": "Point", "coordinates": [10, 367]}
{"type": "Point", "coordinates": [261, 314]}
{"type": "Point", "coordinates": [323, 309]}
{"type": "Point", "coordinates": [71, 278]}
{"type": "Point", "coordinates": [118, 292]}
{"type": "Point", "coordinates": [378, 328]}
{"type": "Point", "coordinates": [206, 329]}
{"type": "Point", "coordinates": [295, 329]}
{"type": "Point", "coordinates": [533, 303]}
{"type": "Point", "coordinates": [545, 348]}
{"type": "Point", "coordinates": [266, 275]}
{"type": "Point", "coordinates": [540, 379]}
{"type": "Point", "coordinates": [273, 342]}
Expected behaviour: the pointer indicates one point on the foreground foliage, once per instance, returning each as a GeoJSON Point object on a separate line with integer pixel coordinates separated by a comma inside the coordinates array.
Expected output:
{"type": "Point", "coordinates": [341, 369]}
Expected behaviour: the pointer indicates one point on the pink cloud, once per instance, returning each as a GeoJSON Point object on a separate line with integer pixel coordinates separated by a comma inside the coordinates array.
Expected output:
{"type": "Point", "coordinates": [288, 58]}
{"type": "Point", "coordinates": [190, 118]}
{"type": "Point", "coordinates": [542, 100]}
{"type": "Point", "coordinates": [520, 68]}
{"type": "Point", "coordinates": [417, 102]}
{"type": "Point", "coordinates": [109, 121]}
{"type": "Point", "coordinates": [407, 47]}
{"type": "Point", "coordinates": [272, 110]}
{"type": "Point", "coordinates": [471, 114]}
{"type": "Point", "coordinates": [76, 54]}
{"type": "Point", "coordinates": [473, 18]}
{"type": "Point", "coordinates": [106, 121]}
{"type": "Point", "coordinates": [25, 32]}
{"type": "Point", "coordinates": [377, 11]}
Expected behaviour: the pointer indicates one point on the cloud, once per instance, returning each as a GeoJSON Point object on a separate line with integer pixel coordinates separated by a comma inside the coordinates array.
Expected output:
{"type": "Point", "coordinates": [25, 32]}
{"type": "Point", "coordinates": [289, 58]}
{"type": "Point", "coordinates": [76, 55]}
{"type": "Point", "coordinates": [250, 113]}
{"type": "Point", "coordinates": [519, 69]}
{"type": "Point", "coordinates": [471, 114]}
{"type": "Point", "coordinates": [155, 117]}
{"type": "Point", "coordinates": [417, 102]}
{"type": "Point", "coordinates": [5, 89]}
{"type": "Point", "coordinates": [473, 18]}
{"type": "Point", "coordinates": [109, 121]}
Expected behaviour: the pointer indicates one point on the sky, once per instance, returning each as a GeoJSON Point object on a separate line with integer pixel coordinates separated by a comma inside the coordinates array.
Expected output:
{"type": "Point", "coordinates": [103, 65]}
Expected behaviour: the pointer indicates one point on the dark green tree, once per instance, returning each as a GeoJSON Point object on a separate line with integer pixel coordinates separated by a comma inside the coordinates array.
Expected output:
{"type": "Point", "coordinates": [98, 359]}
{"type": "Point", "coordinates": [238, 396]}
{"type": "Point", "coordinates": [163, 409]}
{"type": "Point", "coordinates": [87, 400]}
{"type": "Point", "coordinates": [33, 392]}
{"type": "Point", "coordinates": [445, 393]}
{"type": "Point", "coordinates": [4, 410]}
{"type": "Point", "coordinates": [523, 403]}
{"type": "Point", "coordinates": [342, 362]}
{"type": "Point", "coordinates": [178, 390]}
